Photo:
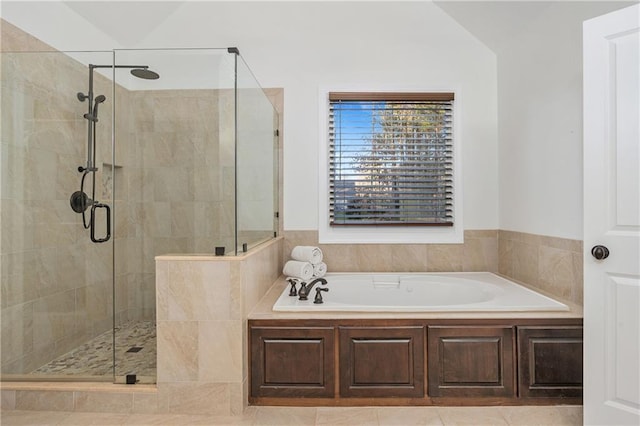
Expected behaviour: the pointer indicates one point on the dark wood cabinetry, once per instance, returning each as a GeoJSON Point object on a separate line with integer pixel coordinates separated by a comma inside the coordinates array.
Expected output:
{"type": "Point", "coordinates": [550, 361]}
{"type": "Point", "coordinates": [381, 362]}
{"type": "Point", "coordinates": [388, 361]}
{"type": "Point", "coordinates": [292, 362]}
{"type": "Point", "coordinates": [471, 361]}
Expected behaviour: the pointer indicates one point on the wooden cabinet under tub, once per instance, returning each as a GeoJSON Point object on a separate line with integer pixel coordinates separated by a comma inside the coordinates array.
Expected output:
{"type": "Point", "coordinates": [381, 361]}
{"type": "Point", "coordinates": [292, 361]}
{"type": "Point", "coordinates": [550, 361]}
{"type": "Point", "coordinates": [415, 362]}
{"type": "Point", "coordinates": [471, 361]}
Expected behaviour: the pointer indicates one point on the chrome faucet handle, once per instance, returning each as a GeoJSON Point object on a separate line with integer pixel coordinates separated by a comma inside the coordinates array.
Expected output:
{"type": "Point", "coordinates": [318, 299]}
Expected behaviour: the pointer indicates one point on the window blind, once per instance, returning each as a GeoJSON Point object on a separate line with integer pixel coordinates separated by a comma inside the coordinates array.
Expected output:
{"type": "Point", "coordinates": [390, 159]}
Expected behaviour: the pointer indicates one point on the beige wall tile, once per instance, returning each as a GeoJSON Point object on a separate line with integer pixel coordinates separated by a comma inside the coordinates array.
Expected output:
{"type": "Point", "coordinates": [338, 257]}
{"type": "Point", "coordinates": [445, 257]}
{"type": "Point", "coordinates": [34, 417]}
{"type": "Point", "coordinates": [525, 262]}
{"type": "Point", "coordinates": [556, 271]}
{"type": "Point", "coordinates": [577, 288]}
{"type": "Point", "coordinates": [481, 233]}
{"type": "Point", "coordinates": [178, 351]}
{"type": "Point", "coordinates": [103, 402]}
{"type": "Point", "coordinates": [199, 398]}
{"type": "Point", "coordinates": [150, 403]}
{"type": "Point", "coordinates": [505, 257]}
{"type": "Point", "coordinates": [374, 257]}
{"type": "Point", "coordinates": [95, 419]}
{"type": "Point", "coordinates": [220, 351]}
{"type": "Point", "coordinates": [44, 400]}
{"type": "Point", "coordinates": [199, 290]}
{"type": "Point", "coordinates": [549, 263]}
{"type": "Point", "coordinates": [409, 258]}
{"type": "Point", "coordinates": [7, 399]}
{"type": "Point", "coordinates": [480, 254]}
{"type": "Point", "coordinates": [238, 401]}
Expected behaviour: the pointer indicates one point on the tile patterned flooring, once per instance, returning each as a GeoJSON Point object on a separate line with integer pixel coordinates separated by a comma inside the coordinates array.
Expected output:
{"type": "Point", "coordinates": [322, 416]}
{"type": "Point", "coordinates": [95, 358]}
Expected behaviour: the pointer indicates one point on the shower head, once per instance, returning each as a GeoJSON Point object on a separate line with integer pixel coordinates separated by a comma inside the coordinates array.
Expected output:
{"type": "Point", "coordinates": [98, 100]}
{"type": "Point", "coordinates": [145, 73]}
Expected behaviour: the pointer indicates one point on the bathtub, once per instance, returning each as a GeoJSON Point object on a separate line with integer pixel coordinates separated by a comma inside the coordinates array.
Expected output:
{"type": "Point", "coordinates": [420, 292]}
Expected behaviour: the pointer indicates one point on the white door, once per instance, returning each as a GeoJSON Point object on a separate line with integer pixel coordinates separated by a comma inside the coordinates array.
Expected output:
{"type": "Point", "coordinates": [612, 218]}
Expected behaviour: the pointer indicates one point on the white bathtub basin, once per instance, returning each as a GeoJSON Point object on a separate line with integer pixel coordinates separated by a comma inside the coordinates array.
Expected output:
{"type": "Point", "coordinates": [421, 292]}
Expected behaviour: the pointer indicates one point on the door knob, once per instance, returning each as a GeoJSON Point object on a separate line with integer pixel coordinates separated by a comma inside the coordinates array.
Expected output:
{"type": "Point", "coordinates": [600, 252]}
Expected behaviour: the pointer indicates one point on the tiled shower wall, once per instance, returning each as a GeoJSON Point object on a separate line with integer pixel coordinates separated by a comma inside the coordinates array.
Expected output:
{"type": "Point", "coordinates": [548, 263]}
{"type": "Point", "coordinates": [169, 197]}
{"type": "Point", "coordinates": [56, 284]}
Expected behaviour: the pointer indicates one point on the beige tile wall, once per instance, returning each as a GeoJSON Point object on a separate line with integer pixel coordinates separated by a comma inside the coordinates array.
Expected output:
{"type": "Point", "coordinates": [203, 303]}
{"type": "Point", "coordinates": [478, 253]}
{"type": "Point", "coordinates": [53, 277]}
{"type": "Point", "coordinates": [549, 263]}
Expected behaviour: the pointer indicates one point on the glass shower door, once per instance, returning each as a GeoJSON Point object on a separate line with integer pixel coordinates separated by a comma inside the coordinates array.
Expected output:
{"type": "Point", "coordinates": [57, 314]}
{"type": "Point", "coordinates": [174, 156]}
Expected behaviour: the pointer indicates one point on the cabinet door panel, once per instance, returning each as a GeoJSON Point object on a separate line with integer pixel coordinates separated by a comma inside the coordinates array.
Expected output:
{"type": "Point", "coordinates": [292, 362]}
{"type": "Point", "coordinates": [382, 362]}
{"type": "Point", "coordinates": [550, 361]}
{"type": "Point", "coordinates": [468, 361]}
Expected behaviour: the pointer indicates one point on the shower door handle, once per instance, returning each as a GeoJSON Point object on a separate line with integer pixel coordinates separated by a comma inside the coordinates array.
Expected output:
{"type": "Point", "coordinates": [94, 207]}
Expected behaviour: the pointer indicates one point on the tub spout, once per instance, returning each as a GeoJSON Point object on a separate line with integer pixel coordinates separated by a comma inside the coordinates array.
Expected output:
{"type": "Point", "coordinates": [306, 289]}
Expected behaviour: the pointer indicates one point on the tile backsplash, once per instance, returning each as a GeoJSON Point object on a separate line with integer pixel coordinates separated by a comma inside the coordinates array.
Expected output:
{"type": "Point", "coordinates": [548, 263]}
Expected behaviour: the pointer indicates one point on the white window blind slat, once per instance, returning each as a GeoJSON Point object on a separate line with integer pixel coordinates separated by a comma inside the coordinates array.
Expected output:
{"type": "Point", "coordinates": [391, 159]}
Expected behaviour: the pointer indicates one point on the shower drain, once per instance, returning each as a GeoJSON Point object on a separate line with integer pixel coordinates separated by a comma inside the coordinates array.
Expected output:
{"type": "Point", "coordinates": [134, 349]}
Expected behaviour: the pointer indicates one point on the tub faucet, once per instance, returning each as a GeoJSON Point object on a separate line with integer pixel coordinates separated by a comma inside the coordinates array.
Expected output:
{"type": "Point", "coordinates": [305, 289]}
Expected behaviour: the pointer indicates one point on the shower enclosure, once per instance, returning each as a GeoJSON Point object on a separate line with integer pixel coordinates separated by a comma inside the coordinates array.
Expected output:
{"type": "Point", "coordinates": [109, 159]}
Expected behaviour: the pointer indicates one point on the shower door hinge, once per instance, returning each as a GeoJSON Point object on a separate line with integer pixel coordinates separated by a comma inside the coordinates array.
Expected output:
{"type": "Point", "coordinates": [233, 50]}
{"type": "Point", "coordinates": [276, 214]}
{"type": "Point", "coordinates": [276, 132]}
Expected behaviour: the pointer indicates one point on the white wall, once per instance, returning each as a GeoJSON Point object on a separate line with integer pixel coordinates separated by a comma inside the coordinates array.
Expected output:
{"type": "Point", "coordinates": [540, 122]}
{"type": "Point", "coordinates": [302, 46]}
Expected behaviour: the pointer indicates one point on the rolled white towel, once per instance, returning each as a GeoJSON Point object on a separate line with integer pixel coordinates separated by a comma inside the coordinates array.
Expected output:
{"type": "Point", "coordinates": [298, 269]}
{"type": "Point", "coordinates": [309, 254]}
{"type": "Point", "coordinates": [319, 270]}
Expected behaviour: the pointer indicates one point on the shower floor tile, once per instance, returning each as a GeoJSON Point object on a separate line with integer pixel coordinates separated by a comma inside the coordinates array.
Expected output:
{"type": "Point", "coordinates": [135, 344]}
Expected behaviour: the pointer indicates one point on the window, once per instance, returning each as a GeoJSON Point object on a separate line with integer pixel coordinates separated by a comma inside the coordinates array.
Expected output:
{"type": "Point", "coordinates": [390, 168]}
{"type": "Point", "coordinates": [390, 159]}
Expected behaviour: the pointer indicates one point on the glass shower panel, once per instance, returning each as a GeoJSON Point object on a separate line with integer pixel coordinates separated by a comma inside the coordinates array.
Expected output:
{"type": "Point", "coordinates": [256, 162]}
{"type": "Point", "coordinates": [174, 188]}
{"type": "Point", "coordinates": [56, 283]}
